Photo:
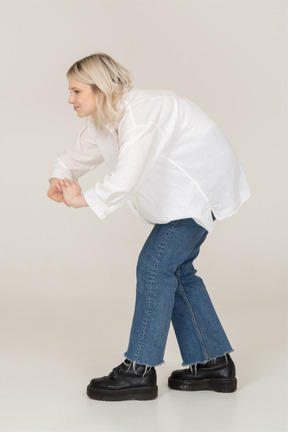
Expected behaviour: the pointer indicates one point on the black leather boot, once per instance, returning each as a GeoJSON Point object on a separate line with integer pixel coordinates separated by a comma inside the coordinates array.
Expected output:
{"type": "Point", "coordinates": [127, 381]}
{"type": "Point", "coordinates": [217, 375]}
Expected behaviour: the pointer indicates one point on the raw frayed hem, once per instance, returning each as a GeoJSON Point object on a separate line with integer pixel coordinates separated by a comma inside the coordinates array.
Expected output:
{"type": "Point", "coordinates": [142, 364]}
{"type": "Point", "coordinates": [208, 360]}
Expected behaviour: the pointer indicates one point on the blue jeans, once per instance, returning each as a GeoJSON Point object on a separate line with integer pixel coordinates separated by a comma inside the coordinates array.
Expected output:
{"type": "Point", "coordinates": [168, 289]}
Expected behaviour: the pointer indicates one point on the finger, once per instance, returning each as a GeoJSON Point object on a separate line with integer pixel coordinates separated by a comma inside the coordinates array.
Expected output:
{"type": "Point", "coordinates": [67, 182]}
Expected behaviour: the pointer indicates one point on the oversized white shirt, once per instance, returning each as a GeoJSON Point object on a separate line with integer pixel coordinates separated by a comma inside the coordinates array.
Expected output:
{"type": "Point", "coordinates": [167, 159]}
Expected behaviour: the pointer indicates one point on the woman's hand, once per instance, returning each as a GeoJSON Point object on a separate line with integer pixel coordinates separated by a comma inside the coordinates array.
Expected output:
{"type": "Point", "coordinates": [55, 190]}
{"type": "Point", "coordinates": [72, 193]}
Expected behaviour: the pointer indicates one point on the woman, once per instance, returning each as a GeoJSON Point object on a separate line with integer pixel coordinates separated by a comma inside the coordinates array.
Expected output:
{"type": "Point", "coordinates": [170, 162]}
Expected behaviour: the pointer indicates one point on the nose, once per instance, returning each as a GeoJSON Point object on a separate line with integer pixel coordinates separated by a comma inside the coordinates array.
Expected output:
{"type": "Point", "coordinates": [71, 99]}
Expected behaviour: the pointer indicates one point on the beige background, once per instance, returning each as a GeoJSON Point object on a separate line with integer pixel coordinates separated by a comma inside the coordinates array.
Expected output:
{"type": "Point", "coordinates": [68, 279]}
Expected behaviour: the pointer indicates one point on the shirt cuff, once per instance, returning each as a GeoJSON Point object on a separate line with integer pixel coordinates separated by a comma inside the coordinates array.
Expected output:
{"type": "Point", "coordinates": [96, 205]}
{"type": "Point", "coordinates": [61, 171]}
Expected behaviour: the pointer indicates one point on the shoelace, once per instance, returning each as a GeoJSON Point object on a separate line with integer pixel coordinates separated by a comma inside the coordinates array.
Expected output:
{"type": "Point", "coordinates": [191, 366]}
{"type": "Point", "coordinates": [128, 364]}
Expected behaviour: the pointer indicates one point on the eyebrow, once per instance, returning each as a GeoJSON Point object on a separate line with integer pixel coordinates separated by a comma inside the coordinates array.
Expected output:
{"type": "Point", "coordinates": [73, 88]}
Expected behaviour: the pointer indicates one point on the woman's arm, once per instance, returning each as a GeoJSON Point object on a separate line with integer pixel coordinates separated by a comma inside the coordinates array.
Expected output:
{"type": "Point", "coordinates": [78, 158]}
{"type": "Point", "coordinates": [142, 142]}
{"type": "Point", "coordinates": [137, 158]}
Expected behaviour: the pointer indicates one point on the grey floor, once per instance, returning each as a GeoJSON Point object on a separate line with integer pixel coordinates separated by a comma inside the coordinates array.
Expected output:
{"type": "Point", "coordinates": [51, 349]}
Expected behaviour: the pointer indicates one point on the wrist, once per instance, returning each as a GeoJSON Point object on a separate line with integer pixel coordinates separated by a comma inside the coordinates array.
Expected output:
{"type": "Point", "coordinates": [78, 201]}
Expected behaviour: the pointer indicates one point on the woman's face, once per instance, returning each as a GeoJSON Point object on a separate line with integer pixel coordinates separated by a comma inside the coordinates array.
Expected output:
{"type": "Point", "coordinates": [82, 98]}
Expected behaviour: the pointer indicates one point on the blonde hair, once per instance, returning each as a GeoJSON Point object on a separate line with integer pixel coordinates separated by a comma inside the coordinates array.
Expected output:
{"type": "Point", "coordinates": [109, 81]}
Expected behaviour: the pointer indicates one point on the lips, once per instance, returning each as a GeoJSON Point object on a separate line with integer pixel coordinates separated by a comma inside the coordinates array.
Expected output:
{"type": "Point", "coordinates": [76, 108]}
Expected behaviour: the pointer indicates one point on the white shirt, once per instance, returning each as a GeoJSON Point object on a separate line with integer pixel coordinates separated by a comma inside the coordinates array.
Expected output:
{"type": "Point", "coordinates": [167, 159]}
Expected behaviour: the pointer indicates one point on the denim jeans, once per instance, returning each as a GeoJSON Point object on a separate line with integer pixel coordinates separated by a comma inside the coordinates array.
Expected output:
{"type": "Point", "coordinates": [169, 289]}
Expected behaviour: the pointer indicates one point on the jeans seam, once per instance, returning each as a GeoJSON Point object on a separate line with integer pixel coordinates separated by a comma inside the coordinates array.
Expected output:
{"type": "Point", "coordinates": [186, 300]}
{"type": "Point", "coordinates": [145, 321]}
{"type": "Point", "coordinates": [151, 289]}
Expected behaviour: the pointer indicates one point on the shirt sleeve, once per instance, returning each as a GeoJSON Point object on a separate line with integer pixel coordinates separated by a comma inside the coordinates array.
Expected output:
{"type": "Point", "coordinates": [78, 158]}
{"type": "Point", "coordinates": [138, 153]}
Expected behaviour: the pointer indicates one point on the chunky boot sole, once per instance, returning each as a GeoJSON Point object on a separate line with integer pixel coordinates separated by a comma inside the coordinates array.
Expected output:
{"type": "Point", "coordinates": [137, 393]}
{"type": "Point", "coordinates": [221, 385]}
